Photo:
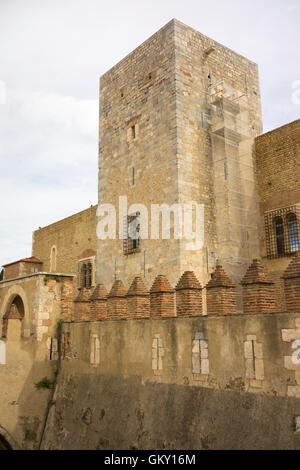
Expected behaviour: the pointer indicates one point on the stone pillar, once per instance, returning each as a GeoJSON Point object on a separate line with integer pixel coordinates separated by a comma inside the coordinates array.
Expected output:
{"type": "Point", "coordinates": [82, 306]}
{"type": "Point", "coordinates": [188, 296]}
{"type": "Point", "coordinates": [291, 279]}
{"type": "Point", "coordinates": [162, 298]}
{"type": "Point", "coordinates": [258, 290]}
{"type": "Point", "coordinates": [138, 300]}
{"type": "Point", "coordinates": [117, 305]}
{"type": "Point", "coordinates": [220, 294]}
{"type": "Point", "coordinates": [99, 303]}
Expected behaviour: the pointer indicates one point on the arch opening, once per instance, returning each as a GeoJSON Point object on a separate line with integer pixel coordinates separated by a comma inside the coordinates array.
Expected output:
{"type": "Point", "coordinates": [15, 311]}
{"type": "Point", "coordinates": [4, 445]}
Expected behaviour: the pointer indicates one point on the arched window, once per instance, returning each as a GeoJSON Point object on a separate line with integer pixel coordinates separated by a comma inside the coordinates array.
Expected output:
{"type": "Point", "coordinates": [292, 226]}
{"type": "Point", "coordinates": [279, 234]}
{"type": "Point", "coordinates": [86, 273]}
{"type": "Point", "coordinates": [53, 259]}
{"type": "Point", "coordinates": [4, 445]}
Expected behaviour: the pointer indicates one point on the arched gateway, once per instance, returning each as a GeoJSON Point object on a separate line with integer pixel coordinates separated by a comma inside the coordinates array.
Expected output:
{"type": "Point", "coordinates": [4, 445]}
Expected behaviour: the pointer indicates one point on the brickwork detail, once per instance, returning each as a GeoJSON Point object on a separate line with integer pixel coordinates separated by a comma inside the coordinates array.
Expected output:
{"type": "Point", "coordinates": [138, 299]}
{"type": "Point", "coordinates": [162, 302]}
{"type": "Point", "coordinates": [99, 303]}
{"type": "Point", "coordinates": [291, 279]}
{"type": "Point", "coordinates": [67, 299]}
{"type": "Point", "coordinates": [220, 294]}
{"type": "Point", "coordinates": [258, 290]}
{"type": "Point", "coordinates": [117, 304]}
{"type": "Point", "coordinates": [188, 296]}
{"type": "Point", "coordinates": [82, 308]}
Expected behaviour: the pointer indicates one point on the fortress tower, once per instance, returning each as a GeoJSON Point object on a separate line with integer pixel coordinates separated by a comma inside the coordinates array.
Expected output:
{"type": "Point", "coordinates": [178, 119]}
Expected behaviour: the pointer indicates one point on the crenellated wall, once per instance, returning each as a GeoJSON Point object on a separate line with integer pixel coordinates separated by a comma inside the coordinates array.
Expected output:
{"type": "Point", "coordinates": [217, 349]}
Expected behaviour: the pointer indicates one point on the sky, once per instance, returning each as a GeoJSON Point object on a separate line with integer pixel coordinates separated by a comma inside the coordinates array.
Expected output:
{"type": "Point", "coordinates": [52, 53]}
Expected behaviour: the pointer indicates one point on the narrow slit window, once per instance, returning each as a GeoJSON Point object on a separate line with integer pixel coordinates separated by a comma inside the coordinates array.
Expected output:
{"type": "Point", "coordinates": [133, 133]}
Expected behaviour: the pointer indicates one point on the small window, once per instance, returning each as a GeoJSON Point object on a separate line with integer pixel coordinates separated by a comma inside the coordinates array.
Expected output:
{"type": "Point", "coordinates": [53, 259]}
{"type": "Point", "coordinates": [131, 242]}
{"type": "Point", "coordinates": [133, 134]}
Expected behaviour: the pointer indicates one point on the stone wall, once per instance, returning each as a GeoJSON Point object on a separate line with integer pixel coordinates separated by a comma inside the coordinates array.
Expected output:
{"type": "Point", "coordinates": [145, 384]}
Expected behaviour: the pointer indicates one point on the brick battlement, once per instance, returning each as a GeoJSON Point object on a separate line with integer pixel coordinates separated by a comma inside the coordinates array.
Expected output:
{"type": "Point", "coordinates": [291, 279]}
{"type": "Point", "coordinates": [185, 300]}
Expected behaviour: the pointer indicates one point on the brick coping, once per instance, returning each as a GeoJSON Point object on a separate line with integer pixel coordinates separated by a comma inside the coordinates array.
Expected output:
{"type": "Point", "coordinates": [205, 317]}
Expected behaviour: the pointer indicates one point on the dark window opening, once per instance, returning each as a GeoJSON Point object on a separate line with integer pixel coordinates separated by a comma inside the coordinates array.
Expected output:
{"type": "Point", "coordinates": [133, 134]}
{"type": "Point", "coordinates": [86, 275]}
{"type": "Point", "coordinates": [131, 242]}
{"type": "Point", "coordinates": [279, 233]}
{"type": "Point", "coordinates": [4, 445]}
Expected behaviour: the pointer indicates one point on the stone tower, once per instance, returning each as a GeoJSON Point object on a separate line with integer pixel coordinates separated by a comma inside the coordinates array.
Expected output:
{"type": "Point", "coordinates": [178, 118]}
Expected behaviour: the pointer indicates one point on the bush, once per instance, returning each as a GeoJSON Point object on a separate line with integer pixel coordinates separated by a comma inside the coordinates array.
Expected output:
{"type": "Point", "coordinates": [44, 383]}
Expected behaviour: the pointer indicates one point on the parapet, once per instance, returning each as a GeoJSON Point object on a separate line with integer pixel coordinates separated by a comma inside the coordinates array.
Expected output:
{"type": "Point", "coordinates": [258, 290]}
{"type": "Point", "coordinates": [291, 279]}
{"type": "Point", "coordinates": [185, 300]}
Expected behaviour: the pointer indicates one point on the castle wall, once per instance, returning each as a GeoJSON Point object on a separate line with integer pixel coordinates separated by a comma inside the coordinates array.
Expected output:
{"type": "Point", "coordinates": [73, 239]}
{"type": "Point", "coordinates": [138, 385]}
{"type": "Point", "coordinates": [278, 172]}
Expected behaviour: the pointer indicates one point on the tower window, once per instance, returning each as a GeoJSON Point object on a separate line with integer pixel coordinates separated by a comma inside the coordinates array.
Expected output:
{"type": "Point", "coordinates": [133, 134]}
{"type": "Point", "coordinates": [131, 242]}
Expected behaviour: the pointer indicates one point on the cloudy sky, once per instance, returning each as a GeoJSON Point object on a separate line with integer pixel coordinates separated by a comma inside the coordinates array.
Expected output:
{"type": "Point", "coordinates": [52, 53]}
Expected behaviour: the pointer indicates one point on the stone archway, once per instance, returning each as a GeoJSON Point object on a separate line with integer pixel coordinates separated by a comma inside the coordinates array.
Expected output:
{"type": "Point", "coordinates": [4, 444]}
{"type": "Point", "coordinates": [15, 295]}
{"type": "Point", "coordinates": [15, 311]}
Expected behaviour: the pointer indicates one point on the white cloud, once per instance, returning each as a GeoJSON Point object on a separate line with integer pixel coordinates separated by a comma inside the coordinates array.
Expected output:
{"type": "Point", "coordinates": [44, 109]}
{"type": "Point", "coordinates": [52, 54]}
